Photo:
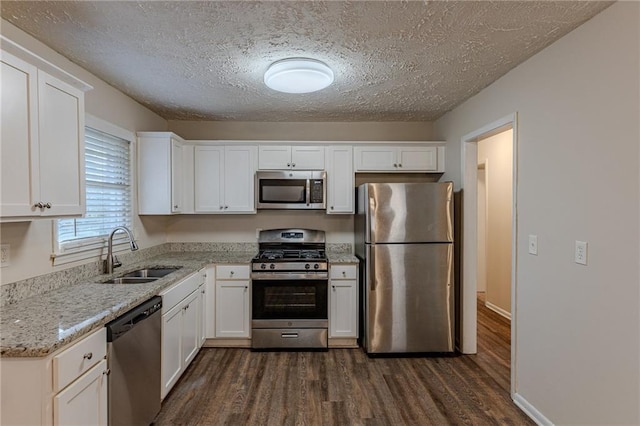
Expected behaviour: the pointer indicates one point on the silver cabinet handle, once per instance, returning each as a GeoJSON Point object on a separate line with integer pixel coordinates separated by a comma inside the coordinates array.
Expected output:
{"type": "Point", "coordinates": [38, 205]}
{"type": "Point", "coordinates": [88, 355]}
{"type": "Point", "coordinates": [47, 205]}
{"type": "Point", "coordinates": [106, 372]}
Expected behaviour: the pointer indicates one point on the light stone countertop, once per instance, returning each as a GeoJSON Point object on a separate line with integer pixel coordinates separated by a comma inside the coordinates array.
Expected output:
{"type": "Point", "coordinates": [39, 325]}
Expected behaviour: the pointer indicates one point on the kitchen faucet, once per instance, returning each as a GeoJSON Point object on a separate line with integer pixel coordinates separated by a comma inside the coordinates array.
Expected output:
{"type": "Point", "coordinates": [112, 261]}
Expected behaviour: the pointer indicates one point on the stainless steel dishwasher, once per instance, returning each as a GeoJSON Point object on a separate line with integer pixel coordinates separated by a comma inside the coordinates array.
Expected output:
{"type": "Point", "coordinates": [133, 356]}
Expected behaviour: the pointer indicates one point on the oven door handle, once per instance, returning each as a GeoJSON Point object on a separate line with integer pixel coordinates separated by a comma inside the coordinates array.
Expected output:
{"type": "Point", "coordinates": [258, 276]}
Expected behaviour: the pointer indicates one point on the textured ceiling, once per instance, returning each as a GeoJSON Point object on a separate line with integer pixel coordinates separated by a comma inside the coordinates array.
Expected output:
{"type": "Point", "coordinates": [393, 61]}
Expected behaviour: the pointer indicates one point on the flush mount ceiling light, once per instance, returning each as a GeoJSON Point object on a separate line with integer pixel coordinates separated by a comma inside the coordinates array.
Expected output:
{"type": "Point", "coordinates": [298, 75]}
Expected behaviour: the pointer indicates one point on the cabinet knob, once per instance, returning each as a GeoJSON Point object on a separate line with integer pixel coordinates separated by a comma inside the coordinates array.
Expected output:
{"type": "Point", "coordinates": [175, 207]}
{"type": "Point", "coordinates": [344, 273]}
{"type": "Point", "coordinates": [395, 165]}
{"type": "Point", "coordinates": [331, 207]}
{"type": "Point", "coordinates": [38, 205]}
{"type": "Point", "coordinates": [226, 207]}
{"type": "Point", "coordinates": [221, 207]}
{"type": "Point", "coordinates": [246, 287]}
{"type": "Point", "coordinates": [293, 164]}
{"type": "Point", "coordinates": [288, 164]}
{"type": "Point", "coordinates": [334, 287]}
{"type": "Point", "coordinates": [88, 355]}
{"type": "Point", "coordinates": [399, 164]}
{"type": "Point", "coordinates": [107, 372]}
{"type": "Point", "coordinates": [48, 205]}
{"type": "Point", "coordinates": [231, 273]}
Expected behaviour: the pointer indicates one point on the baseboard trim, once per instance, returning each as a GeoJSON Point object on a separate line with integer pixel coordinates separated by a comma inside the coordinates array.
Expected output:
{"type": "Point", "coordinates": [342, 342]}
{"type": "Point", "coordinates": [531, 411]}
{"type": "Point", "coordinates": [498, 310]}
{"type": "Point", "coordinates": [227, 343]}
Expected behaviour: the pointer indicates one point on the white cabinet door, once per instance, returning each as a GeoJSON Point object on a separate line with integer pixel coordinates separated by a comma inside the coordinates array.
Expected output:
{"type": "Point", "coordinates": [209, 178]}
{"type": "Point", "coordinates": [343, 321]}
{"type": "Point", "coordinates": [239, 179]}
{"type": "Point", "coordinates": [190, 335]}
{"type": "Point", "coordinates": [286, 157]}
{"type": "Point", "coordinates": [232, 309]}
{"type": "Point", "coordinates": [418, 159]}
{"type": "Point", "coordinates": [161, 178]}
{"type": "Point", "coordinates": [307, 157]}
{"type": "Point", "coordinates": [84, 402]}
{"type": "Point", "coordinates": [19, 171]}
{"type": "Point", "coordinates": [61, 138]}
{"type": "Point", "coordinates": [177, 177]}
{"type": "Point", "coordinates": [274, 157]}
{"type": "Point", "coordinates": [375, 158]}
{"type": "Point", "coordinates": [171, 348]}
{"type": "Point", "coordinates": [340, 188]}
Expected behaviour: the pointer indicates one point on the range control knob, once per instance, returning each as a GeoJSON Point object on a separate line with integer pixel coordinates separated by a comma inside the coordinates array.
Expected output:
{"type": "Point", "coordinates": [316, 266]}
{"type": "Point", "coordinates": [307, 266]}
{"type": "Point", "coordinates": [263, 266]}
{"type": "Point", "coordinates": [272, 266]}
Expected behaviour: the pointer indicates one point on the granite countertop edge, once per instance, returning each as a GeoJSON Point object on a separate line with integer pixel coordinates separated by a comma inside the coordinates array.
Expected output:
{"type": "Point", "coordinates": [35, 327]}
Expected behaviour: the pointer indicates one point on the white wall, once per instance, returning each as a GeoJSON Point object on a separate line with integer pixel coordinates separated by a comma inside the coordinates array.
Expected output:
{"type": "Point", "coordinates": [578, 327]}
{"type": "Point", "coordinates": [496, 152]}
{"type": "Point", "coordinates": [31, 242]}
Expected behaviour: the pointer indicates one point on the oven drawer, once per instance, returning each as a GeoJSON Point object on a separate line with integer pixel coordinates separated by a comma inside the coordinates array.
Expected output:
{"type": "Point", "coordinates": [343, 272]}
{"type": "Point", "coordinates": [289, 338]}
{"type": "Point", "coordinates": [232, 272]}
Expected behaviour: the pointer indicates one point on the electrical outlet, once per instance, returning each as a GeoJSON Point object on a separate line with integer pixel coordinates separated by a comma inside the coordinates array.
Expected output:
{"type": "Point", "coordinates": [533, 244]}
{"type": "Point", "coordinates": [581, 252]}
{"type": "Point", "coordinates": [4, 255]}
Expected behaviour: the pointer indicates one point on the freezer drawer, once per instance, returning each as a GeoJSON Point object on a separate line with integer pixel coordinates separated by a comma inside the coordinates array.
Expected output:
{"type": "Point", "coordinates": [409, 298]}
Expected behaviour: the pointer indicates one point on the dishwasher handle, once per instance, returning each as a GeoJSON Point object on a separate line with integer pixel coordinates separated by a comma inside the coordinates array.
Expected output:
{"type": "Point", "coordinates": [132, 318]}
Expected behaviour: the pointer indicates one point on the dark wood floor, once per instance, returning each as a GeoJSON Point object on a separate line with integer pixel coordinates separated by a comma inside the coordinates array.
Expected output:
{"type": "Point", "coordinates": [345, 387]}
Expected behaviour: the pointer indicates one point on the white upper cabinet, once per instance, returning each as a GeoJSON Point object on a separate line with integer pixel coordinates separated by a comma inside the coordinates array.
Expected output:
{"type": "Point", "coordinates": [287, 157]}
{"type": "Point", "coordinates": [160, 173]}
{"type": "Point", "coordinates": [387, 158]}
{"type": "Point", "coordinates": [224, 179]}
{"type": "Point", "coordinates": [42, 143]}
{"type": "Point", "coordinates": [340, 178]}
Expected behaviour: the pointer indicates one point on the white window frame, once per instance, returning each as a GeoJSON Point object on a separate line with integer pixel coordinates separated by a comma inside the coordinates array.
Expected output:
{"type": "Point", "coordinates": [96, 247]}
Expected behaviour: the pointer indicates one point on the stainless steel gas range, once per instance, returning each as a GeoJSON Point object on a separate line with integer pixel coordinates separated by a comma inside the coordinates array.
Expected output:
{"type": "Point", "coordinates": [289, 295]}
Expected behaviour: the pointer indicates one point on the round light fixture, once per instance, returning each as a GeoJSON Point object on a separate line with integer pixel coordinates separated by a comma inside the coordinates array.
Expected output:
{"type": "Point", "coordinates": [298, 75]}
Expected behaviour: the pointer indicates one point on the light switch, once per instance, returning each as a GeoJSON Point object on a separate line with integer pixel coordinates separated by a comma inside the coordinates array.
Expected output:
{"type": "Point", "coordinates": [533, 244]}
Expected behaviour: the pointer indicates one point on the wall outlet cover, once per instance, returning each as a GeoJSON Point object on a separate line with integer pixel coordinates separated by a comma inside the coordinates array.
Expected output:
{"type": "Point", "coordinates": [581, 252]}
{"type": "Point", "coordinates": [4, 255]}
{"type": "Point", "coordinates": [533, 244]}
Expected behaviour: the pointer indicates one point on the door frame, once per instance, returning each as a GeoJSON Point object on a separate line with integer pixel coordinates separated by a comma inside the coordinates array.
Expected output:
{"type": "Point", "coordinates": [469, 169]}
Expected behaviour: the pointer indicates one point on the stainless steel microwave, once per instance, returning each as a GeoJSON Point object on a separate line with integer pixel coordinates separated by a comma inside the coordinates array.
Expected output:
{"type": "Point", "coordinates": [291, 189]}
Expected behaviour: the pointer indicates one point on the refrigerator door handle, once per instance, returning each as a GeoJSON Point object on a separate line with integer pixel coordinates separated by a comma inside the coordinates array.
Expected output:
{"type": "Point", "coordinates": [371, 269]}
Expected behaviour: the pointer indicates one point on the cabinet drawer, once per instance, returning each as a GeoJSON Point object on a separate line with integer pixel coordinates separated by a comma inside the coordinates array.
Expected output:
{"type": "Point", "coordinates": [71, 363]}
{"type": "Point", "coordinates": [174, 294]}
{"type": "Point", "coordinates": [232, 272]}
{"type": "Point", "coordinates": [343, 272]}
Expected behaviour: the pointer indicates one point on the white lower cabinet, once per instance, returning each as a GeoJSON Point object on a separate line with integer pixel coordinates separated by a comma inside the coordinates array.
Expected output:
{"type": "Point", "coordinates": [181, 328]}
{"type": "Point", "coordinates": [68, 387]}
{"type": "Point", "coordinates": [84, 402]}
{"type": "Point", "coordinates": [233, 301]}
{"type": "Point", "coordinates": [343, 301]}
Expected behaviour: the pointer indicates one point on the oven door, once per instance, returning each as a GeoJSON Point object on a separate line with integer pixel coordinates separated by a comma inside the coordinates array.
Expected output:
{"type": "Point", "coordinates": [289, 299]}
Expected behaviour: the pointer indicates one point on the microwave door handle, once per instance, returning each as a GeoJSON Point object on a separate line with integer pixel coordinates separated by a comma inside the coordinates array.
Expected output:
{"type": "Point", "coordinates": [308, 192]}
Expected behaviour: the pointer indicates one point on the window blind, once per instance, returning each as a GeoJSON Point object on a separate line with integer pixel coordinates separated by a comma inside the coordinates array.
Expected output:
{"type": "Point", "coordinates": [108, 191]}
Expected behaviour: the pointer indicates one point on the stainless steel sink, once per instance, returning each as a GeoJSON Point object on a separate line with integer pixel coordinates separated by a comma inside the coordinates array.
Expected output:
{"type": "Point", "coordinates": [130, 280]}
{"type": "Point", "coordinates": [150, 273]}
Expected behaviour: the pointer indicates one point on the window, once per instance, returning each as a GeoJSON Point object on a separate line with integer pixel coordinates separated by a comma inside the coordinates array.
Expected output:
{"type": "Point", "coordinates": [108, 198]}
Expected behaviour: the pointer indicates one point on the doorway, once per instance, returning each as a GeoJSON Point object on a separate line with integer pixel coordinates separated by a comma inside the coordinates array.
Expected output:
{"type": "Point", "coordinates": [469, 320]}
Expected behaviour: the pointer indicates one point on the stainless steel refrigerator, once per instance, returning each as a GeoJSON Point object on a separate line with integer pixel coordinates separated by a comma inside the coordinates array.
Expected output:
{"type": "Point", "coordinates": [404, 239]}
